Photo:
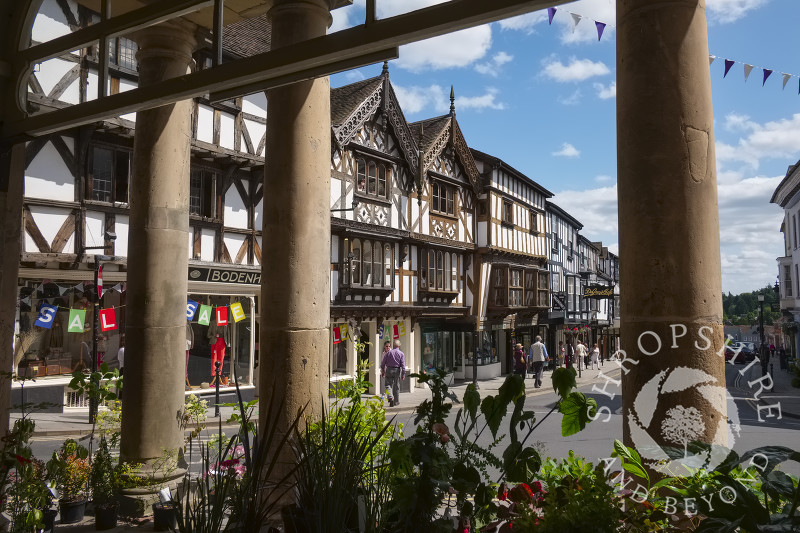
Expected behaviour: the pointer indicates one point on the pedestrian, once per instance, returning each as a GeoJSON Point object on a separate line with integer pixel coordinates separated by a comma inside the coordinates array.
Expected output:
{"type": "Point", "coordinates": [783, 358]}
{"type": "Point", "coordinates": [520, 364]}
{"type": "Point", "coordinates": [561, 353]}
{"type": "Point", "coordinates": [569, 354]}
{"type": "Point", "coordinates": [772, 350]}
{"type": "Point", "coordinates": [393, 368]}
{"type": "Point", "coordinates": [538, 356]}
{"type": "Point", "coordinates": [594, 356]}
{"type": "Point", "coordinates": [580, 355]}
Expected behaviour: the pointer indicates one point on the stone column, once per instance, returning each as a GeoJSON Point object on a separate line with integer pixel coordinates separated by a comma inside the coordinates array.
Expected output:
{"type": "Point", "coordinates": [155, 333]}
{"type": "Point", "coordinates": [12, 170]}
{"type": "Point", "coordinates": [295, 292]}
{"type": "Point", "coordinates": [671, 292]}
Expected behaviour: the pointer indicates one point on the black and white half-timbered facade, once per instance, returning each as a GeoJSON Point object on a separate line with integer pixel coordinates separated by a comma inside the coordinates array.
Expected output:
{"type": "Point", "coordinates": [76, 201]}
{"type": "Point", "coordinates": [514, 287]}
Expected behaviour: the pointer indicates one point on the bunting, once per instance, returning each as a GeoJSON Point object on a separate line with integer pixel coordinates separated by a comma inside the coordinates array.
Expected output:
{"type": "Point", "coordinates": [576, 19]}
{"type": "Point", "coordinates": [747, 70]}
{"type": "Point", "coordinates": [600, 27]}
{"type": "Point", "coordinates": [551, 12]}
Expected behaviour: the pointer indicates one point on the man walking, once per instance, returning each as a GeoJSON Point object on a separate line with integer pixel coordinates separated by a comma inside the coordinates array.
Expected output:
{"type": "Point", "coordinates": [537, 357]}
{"type": "Point", "coordinates": [393, 367]}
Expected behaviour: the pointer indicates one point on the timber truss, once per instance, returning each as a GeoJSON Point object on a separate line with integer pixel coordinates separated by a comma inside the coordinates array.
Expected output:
{"type": "Point", "coordinates": [374, 41]}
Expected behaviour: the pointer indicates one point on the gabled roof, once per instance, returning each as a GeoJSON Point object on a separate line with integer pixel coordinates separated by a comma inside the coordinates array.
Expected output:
{"type": "Point", "coordinates": [435, 134]}
{"type": "Point", "coordinates": [346, 100]}
{"type": "Point", "coordinates": [496, 161]}
{"type": "Point", "coordinates": [550, 206]}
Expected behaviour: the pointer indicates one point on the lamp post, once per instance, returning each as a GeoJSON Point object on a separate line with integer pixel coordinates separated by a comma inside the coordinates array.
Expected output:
{"type": "Point", "coordinates": [110, 237]}
{"type": "Point", "coordinates": [764, 352]}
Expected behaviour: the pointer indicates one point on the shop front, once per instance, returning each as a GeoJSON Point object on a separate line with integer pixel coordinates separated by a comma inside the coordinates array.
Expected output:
{"type": "Point", "coordinates": [55, 330]}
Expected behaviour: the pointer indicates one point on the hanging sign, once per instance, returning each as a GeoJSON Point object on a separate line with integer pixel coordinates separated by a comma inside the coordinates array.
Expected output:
{"type": "Point", "coordinates": [402, 328]}
{"type": "Point", "coordinates": [108, 319]}
{"type": "Point", "coordinates": [396, 331]}
{"type": "Point", "coordinates": [237, 312]}
{"type": "Point", "coordinates": [204, 318]}
{"type": "Point", "coordinates": [76, 318]}
{"type": "Point", "coordinates": [337, 336]}
{"type": "Point", "coordinates": [343, 331]}
{"type": "Point", "coordinates": [380, 331]}
{"type": "Point", "coordinates": [220, 275]}
{"type": "Point", "coordinates": [598, 291]}
{"type": "Point", "coordinates": [191, 309]}
{"type": "Point", "coordinates": [46, 315]}
{"type": "Point", "coordinates": [222, 316]}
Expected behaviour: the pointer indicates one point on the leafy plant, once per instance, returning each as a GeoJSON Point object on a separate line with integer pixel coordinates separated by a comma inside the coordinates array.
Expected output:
{"type": "Point", "coordinates": [101, 386]}
{"type": "Point", "coordinates": [69, 468]}
{"type": "Point", "coordinates": [103, 479]}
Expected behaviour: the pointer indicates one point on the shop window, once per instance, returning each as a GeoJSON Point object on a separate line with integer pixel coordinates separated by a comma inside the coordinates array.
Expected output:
{"type": "Point", "coordinates": [339, 356]}
{"type": "Point", "coordinates": [508, 212]}
{"type": "Point", "coordinates": [443, 198]}
{"type": "Point", "coordinates": [201, 193]}
{"type": "Point", "coordinates": [109, 174]}
{"type": "Point", "coordinates": [373, 179]}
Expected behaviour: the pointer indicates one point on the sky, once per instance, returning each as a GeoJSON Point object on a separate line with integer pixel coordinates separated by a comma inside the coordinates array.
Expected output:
{"type": "Point", "coordinates": [542, 97]}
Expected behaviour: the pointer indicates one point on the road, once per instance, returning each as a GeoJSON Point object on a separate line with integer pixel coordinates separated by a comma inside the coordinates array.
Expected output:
{"type": "Point", "coordinates": [597, 439]}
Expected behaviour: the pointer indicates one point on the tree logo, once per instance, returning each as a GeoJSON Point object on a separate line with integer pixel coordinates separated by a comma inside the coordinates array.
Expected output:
{"type": "Point", "coordinates": [680, 425]}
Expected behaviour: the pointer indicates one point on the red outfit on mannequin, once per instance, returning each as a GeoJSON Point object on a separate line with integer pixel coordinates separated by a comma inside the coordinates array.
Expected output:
{"type": "Point", "coordinates": [217, 354]}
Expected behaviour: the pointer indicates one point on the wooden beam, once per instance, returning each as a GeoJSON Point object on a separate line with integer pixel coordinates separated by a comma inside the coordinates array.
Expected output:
{"type": "Point", "coordinates": [321, 56]}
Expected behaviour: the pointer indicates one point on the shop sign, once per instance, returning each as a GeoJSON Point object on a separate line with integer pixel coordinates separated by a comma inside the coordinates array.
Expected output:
{"type": "Point", "coordinates": [559, 301]}
{"type": "Point", "coordinates": [222, 275]}
{"type": "Point", "coordinates": [598, 291]}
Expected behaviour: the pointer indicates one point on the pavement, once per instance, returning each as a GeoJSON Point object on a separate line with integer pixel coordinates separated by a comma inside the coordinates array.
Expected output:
{"type": "Point", "coordinates": [780, 400]}
{"type": "Point", "coordinates": [77, 424]}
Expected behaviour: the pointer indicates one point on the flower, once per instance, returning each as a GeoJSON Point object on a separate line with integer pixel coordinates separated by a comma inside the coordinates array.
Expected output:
{"type": "Point", "coordinates": [502, 492]}
{"type": "Point", "coordinates": [536, 486]}
{"type": "Point", "coordinates": [441, 429]}
{"type": "Point", "coordinates": [522, 493]}
{"type": "Point", "coordinates": [22, 460]}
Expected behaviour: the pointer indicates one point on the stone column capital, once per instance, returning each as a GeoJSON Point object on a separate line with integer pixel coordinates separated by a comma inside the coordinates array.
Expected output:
{"type": "Point", "coordinates": [165, 50]}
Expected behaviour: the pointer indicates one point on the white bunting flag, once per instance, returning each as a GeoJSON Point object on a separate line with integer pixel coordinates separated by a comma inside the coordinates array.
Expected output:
{"type": "Point", "coordinates": [711, 59]}
{"type": "Point", "coordinates": [575, 21]}
{"type": "Point", "coordinates": [62, 290]}
{"type": "Point", "coordinates": [747, 69]}
{"type": "Point", "coordinates": [786, 78]}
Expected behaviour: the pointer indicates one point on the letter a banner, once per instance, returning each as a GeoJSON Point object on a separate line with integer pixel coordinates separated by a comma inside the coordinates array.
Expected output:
{"type": "Point", "coordinates": [76, 317]}
{"type": "Point", "coordinates": [204, 318]}
{"type": "Point", "coordinates": [108, 319]}
{"type": "Point", "coordinates": [46, 315]}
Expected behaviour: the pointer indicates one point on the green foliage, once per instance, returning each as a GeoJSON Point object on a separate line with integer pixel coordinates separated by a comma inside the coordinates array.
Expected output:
{"type": "Point", "coordinates": [103, 477]}
{"type": "Point", "coordinates": [578, 410]}
{"type": "Point", "coordinates": [69, 470]}
{"type": "Point", "coordinates": [102, 385]}
{"type": "Point", "coordinates": [743, 309]}
{"type": "Point", "coordinates": [109, 422]}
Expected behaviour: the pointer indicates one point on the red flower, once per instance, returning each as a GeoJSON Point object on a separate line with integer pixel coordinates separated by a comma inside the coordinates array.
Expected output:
{"type": "Point", "coordinates": [521, 493]}
{"type": "Point", "coordinates": [536, 486]}
{"type": "Point", "coordinates": [21, 459]}
{"type": "Point", "coordinates": [502, 492]}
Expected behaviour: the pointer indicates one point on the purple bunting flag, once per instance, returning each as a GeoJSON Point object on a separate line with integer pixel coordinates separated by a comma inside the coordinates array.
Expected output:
{"type": "Point", "coordinates": [551, 12]}
{"type": "Point", "coordinates": [767, 72]}
{"type": "Point", "coordinates": [728, 64]}
{"type": "Point", "coordinates": [600, 27]}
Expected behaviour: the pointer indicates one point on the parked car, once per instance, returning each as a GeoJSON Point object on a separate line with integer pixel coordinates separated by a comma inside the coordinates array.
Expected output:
{"type": "Point", "coordinates": [747, 352]}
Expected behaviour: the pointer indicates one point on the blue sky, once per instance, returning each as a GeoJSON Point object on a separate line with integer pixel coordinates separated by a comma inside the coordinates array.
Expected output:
{"type": "Point", "coordinates": [543, 98]}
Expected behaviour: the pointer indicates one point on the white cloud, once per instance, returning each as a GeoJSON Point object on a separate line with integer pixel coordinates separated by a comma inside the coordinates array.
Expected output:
{"type": "Point", "coordinates": [492, 67]}
{"type": "Point", "coordinates": [605, 92]}
{"type": "Point", "coordinates": [603, 178]}
{"type": "Point", "coordinates": [567, 150]}
{"type": "Point", "coordinates": [524, 22]}
{"type": "Point", "coordinates": [572, 99]}
{"type": "Point", "coordinates": [775, 139]}
{"type": "Point", "coordinates": [725, 11]}
{"type": "Point", "coordinates": [458, 49]}
{"type": "Point", "coordinates": [596, 209]}
{"type": "Point", "coordinates": [486, 100]}
{"type": "Point", "coordinates": [354, 75]}
{"type": "Point", "coordinates": [577, 70]}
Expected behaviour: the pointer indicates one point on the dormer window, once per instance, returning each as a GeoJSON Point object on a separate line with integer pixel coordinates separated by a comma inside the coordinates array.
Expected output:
{"type": "Point", "coordinates": [443, 198]}
{"type": "Point", "coordinates": [373, 179]}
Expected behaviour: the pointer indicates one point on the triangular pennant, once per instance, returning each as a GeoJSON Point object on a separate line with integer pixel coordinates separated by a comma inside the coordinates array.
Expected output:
{"type": "Point", "coordinates": [786, 78]}
{"type": "Point", "coordinates": [62, 290]}
{"type": "Point", "coordinates": [747, 69]}
{"type": "Point", "coordinates": [51, 301]}
{"type": "Point", "coordinates": [575, 21]}
{"type": "Point", "coordinates": [117, 287]}
{"type": "Point", "coordinates": [728, 64]}
{"type": "Point", "coordinates": [78, 287]}
{"type": "Point", "coordinates": [711, 59]}
{"type": "Point", "coordinates": [767, 73]}
{"type": "Point", "coordinates": [600, 27]}
{"type": "Point", "coordinates": [26, 300]}
{"type": "Point", "coordinates": [551, 12]}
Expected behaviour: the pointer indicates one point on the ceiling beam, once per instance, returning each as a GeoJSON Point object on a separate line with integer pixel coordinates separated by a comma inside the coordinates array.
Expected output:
{"type": "Point", "coordinates": [345, 49]}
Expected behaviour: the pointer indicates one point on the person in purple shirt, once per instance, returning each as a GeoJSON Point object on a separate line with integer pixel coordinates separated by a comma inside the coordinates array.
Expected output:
{"type": "Point", "coordinates": [393, 367]}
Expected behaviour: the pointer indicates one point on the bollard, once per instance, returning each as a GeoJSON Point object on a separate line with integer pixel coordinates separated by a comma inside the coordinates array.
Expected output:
{"type": "Point", "coordinates": [217, 364]}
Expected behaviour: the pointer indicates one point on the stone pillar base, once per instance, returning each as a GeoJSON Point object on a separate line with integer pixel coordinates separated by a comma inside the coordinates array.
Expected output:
{"type": "Point", "coordinates": [137, 502]}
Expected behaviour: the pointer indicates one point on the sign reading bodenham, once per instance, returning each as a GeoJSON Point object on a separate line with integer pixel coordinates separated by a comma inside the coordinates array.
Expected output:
{"type": "Point", "coordinates": [221, 275]}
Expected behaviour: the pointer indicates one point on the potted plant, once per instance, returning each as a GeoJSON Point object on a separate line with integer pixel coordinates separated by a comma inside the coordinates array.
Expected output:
{"type": "Point", "coordinates": [103, 484]}
{"type": "Point", "coordinates": [69, 469]}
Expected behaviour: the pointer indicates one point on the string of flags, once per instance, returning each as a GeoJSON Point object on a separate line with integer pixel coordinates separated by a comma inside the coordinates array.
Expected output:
{"type": "Point", "coordinates": [76, 322]}
{"type": "Point", "coordinates": [81, 287]}
{"type": "Point", "coordinates": [729, 63]}
{"type": "Point", "coordinates": [386, 332]}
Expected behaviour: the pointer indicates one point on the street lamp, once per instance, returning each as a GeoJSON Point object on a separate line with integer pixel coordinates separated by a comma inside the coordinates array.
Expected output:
{"type": "Point", "coordinates": [110, 237]}
{"type": "Point", "coordinates": [764, 353]}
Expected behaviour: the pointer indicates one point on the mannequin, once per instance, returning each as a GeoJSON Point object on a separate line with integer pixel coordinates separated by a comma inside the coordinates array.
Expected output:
{"type": "Point", "coordinates": [218, 340]}
{"type": "Point", "coordinates": [189, 345]}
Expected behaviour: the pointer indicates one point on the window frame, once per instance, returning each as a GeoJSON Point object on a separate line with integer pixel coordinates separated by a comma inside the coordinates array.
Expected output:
{"type": "Point", "coordinates": [438, 270]}
{"type": "Point", "coordinates": [368, 184]}
{"type": "Point", "coordinates": [207, 198]}
{"type": "Point", "coordinates": [114, 192]}
{"type": "Point", "coordinates": [508, 212]}
{"type": "Point", "coordinates": [443, 198]}
{"type": "Point", "coordinates": [373, 269]}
